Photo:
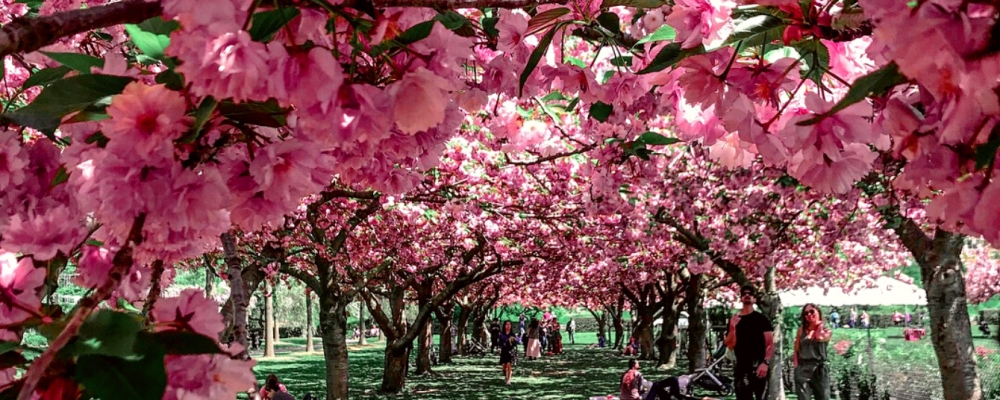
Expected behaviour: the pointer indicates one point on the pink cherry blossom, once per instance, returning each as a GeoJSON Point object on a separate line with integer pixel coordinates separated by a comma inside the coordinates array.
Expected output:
{"type": "Point", "coordinates": [93, 266]}
{"type": "Point", "coordinates": [44, 236]}
{"type": "Point", "coordinates": [145, 118]}
{"type": "Point", "coordinates": [190, 310]}
{"type": "Point", "coordinates": [707, 22]}
{"type": "Point", "coordinates": [421, 98]}
{"type": "Point", "coordinates": [20, 282]}
{"type": "Point", "coordinates": [13, 159]}
{"type": "Point", "coordinates": [207, 377]}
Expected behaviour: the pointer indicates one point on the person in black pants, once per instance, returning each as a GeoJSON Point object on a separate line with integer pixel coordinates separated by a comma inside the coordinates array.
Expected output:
{"type": "Point", "coordinates": [751, 338]}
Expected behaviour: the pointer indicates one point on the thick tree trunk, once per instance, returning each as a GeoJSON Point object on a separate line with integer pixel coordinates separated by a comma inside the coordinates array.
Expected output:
{"type": "Point", "coordinates": [464, 313]}
{"type": "Point", "coordinates": [397, 361]}
{"type": "Point", "coordinates": [310, 347]}
{"type": "Point", "coordinates": [602, 322]}
{"type": "Point", "coordinates": [251, 278]}
{"type": "Point", "coordinates": [616, 322]}
{"type": "Point", "coordinates": [666, 345]}
{"type": "Point", "coordinates": [771, 308]}
{"type": "Point", "coordinates": [424, 342]}
{"type": "Point", "coordinates": [268, 321]}
{"type": "Point", "coordinates": [697, 350]}
{"type": "Point", "coordinates": [643, 332]}
{"type": "Point", "coordinates": [444, 341]}
{"type": "Point", "coordinates": [951, 333]}
{"type": "Point", "coordinates": [333, 330]}
{"type": "Point", "coordinates": [238, 296]}
{"type": "Point", "coordinates": [362, 340]}
{"type": "Point", "coordinates": [209, 282]}
{"type": "Point", "coordinates": [479, 323]}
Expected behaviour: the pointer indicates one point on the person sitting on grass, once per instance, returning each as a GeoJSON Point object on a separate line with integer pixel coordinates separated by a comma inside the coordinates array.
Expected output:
{"type": "Point", "coordinates": [632, 348]}
{"type": "Point", "coordinates": [274, 390]}
{"type": "Point", "coordinates": [631, 382]}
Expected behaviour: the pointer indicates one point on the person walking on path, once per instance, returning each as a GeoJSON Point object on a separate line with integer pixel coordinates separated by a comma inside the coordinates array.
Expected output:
{"type": "Point", "coordinates": [571, 330]}
{"type": "Point", "coordinates": [534, 347]}
{"type": "Point", "coordinates": [812, 373]}
{"type": "Point", "coordinates": [508, 345]}
{"type": "Point", "coordinates": [854, 317]}
{"type": "Point", "coordinates": [865, 319]}
{"type": "Point", "coordinates": [835, 318]}
{"type": "Point", "coordinates": [751, 337]}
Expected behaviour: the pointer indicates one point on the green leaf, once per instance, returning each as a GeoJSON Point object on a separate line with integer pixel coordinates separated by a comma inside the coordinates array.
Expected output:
{"type": "Point", "coordinates": [489, 23]}
{"type": "Point", "coordinates": [774, 55]}
{"type": "Point", "coordinates": [46, 76]}
{"type": "Point", "coordinates": [416, 33]}
{"type": "Point", "coordinates": [622, 61]}
{"type": "Point", "coordinates": [664, 32]}
{"type": "Point", "coordinates": [652, 138]}
{"type": "Point", "coordinates": [815, 59]}
{"type": "Point", "coordinates": [60, 177]}
{"type": "Point", "coordinates": [79, 62]}
{"type": "Point", "coordinates": [101, 140]}
{"type": "Point", "coordinates": [66, 96]}
{"type": "Point", "coordinates": [201, 116]}
{"type": "Point", "coordinates": [254, 113]}
{"type": "Point", "coordinates": [264, 24]}
{"type": "Point", "coordinates": [875, 83]}
{"type": "Point", "coordinates": [544, 18]}
{"type": "Point", "coordinates": [633, 3]}
{"type": "Point", "coordinates": [986, 153]}
{"type": "Point", "coordinates": [107, 333]}
{"type": "Point", "coordinates": [535, 57]}
{"type": "Point", "coordinates": [152, 36]}
{"type": "Point", "coordinates": [755, 30]}
{"type": "Point", "coordinates": [610, 21]}
{"type": "Point", "coordinates": [8, 345]}
{"type": "Point", "coordinates": [451, 20]}
{"type": "Point", "coordinates": [112, 378]}
{"type": "Point", "coordinates": [181, 342]}
{"type": "Point", "coordinates": [601, 111]}
{"type": "Point", "coordinates": [669, 56]}
{"type": "Point", "coordinates": [171, 79]}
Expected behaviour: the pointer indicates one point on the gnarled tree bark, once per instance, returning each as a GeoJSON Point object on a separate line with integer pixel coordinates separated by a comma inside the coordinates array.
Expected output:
{"type": "Point", "coordinates": [940, 263]}
{"type": "Point", "coordinates": [238, 297]}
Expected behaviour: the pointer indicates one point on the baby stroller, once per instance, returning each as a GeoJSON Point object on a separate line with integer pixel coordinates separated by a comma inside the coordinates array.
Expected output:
{"type": "Point", "coordinates": [707, 380]}
{"type": "Point", "coordinates": [693, 386]}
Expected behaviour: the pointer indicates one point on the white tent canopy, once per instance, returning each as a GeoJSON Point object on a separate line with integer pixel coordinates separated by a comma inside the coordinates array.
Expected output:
{"type": "Point", "coordinates": [885, 292]}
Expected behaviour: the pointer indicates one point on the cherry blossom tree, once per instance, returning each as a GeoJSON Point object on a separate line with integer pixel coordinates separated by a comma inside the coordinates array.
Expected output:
{"type": "Point", "coordinates": [226, 115]}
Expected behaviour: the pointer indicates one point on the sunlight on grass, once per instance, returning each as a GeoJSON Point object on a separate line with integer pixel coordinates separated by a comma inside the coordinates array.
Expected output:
{"type": "Point", "coordinates": [581, 372]}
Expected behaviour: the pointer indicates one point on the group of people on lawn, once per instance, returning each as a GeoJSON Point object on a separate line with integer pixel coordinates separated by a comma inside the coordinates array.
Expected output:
{"type": "Point", "coordinates": [750, 338]}
{"type": "Point", "coordinates": [544, 334]}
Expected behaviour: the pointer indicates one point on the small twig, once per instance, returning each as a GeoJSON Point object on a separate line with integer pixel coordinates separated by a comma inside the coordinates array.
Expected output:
{"type": "Point", "coordinates": [122, 263]}
{"type": "Point", "coordinates": [154, 290]}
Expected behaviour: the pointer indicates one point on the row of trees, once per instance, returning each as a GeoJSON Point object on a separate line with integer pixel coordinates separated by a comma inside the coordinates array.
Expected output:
{"type": "Point", "coordinates": [443, 153]}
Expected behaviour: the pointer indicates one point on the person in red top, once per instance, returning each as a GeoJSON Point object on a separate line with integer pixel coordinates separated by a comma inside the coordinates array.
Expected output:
{"type": "Point", "coordinates": [631, 382]}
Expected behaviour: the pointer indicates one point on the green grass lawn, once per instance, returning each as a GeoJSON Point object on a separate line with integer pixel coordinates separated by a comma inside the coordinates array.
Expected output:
{"type": "Point", "coordinates": [902, 368]}
{"type": "Point", "coordinates": [577, 373]}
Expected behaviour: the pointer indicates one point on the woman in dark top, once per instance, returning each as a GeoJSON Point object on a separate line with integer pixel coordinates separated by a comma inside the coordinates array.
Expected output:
{"type": "Point", "coordinates": [812, 373]}
{"type": "Point", "coordinates": [508, 345]}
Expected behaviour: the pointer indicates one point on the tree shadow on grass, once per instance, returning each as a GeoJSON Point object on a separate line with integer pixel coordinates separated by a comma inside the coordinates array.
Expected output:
{"type": "Point", "coordinates": [578, 373]}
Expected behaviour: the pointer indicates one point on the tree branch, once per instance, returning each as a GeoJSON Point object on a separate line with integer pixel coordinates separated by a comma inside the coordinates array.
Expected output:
{"type": "Point", "coordinates": [311, 281]}
{"type": "Point", "coordinates": [25, 35]}
{"type": "Point", "coordinates": [456, 4]}
{"type": "Point", "coordinates": [121, 264]}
